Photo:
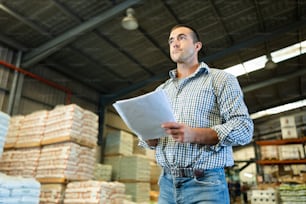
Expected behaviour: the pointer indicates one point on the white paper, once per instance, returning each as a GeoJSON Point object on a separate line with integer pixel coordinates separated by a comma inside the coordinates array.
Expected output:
{"type": "Point", "coordinates": [145, 114]}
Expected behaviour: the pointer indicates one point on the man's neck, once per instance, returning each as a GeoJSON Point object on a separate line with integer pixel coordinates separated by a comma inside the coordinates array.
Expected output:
{"type": "Point", "coordinates": [185, 70]}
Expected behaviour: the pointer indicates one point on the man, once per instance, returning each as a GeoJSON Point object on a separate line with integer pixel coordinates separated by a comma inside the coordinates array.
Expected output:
{"type": "Point", "coordinates": [211, 118]}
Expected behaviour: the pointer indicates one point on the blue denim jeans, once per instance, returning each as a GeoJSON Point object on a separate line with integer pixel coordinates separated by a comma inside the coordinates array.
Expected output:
{"type": "Point", "coordinates": [209, 189]}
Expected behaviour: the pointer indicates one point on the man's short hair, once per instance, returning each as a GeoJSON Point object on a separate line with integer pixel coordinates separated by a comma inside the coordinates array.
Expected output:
{"type": "Point", "coordinates": [196, 36]}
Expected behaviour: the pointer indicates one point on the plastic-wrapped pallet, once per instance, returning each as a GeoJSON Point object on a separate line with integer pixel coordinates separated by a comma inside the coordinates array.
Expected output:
{"type": "Point", "coordinates": [102, 172]}
{"type": "Point", "coordinates": [292, 193]}
{"type": "Point", "coordinates": [32, 129]}
{"type": "Point", "coordinates": [94, 192]}
{"type": "Point", "coordinates": [119, 143]}
{"type": "Point", "coordinates": [140, 191]}
{"type": "Point", "coordinates": [13, 131]}
{"type": "Point", "coordinates": [71, 123]}
{"type": "Point", "coordinates": [52, 193]}
{"type": "Point", "coordinates": [136, 168]}
{"type": "Point", "coordinates": [20, 162]}
{"type": "Point", "coordinates": [4, 125]}
{"type": "Point", "coordinates": [66, 161]}
{"type": "Point", "coordinates": [18, 190]}
{"type": "Point", "coordinates": [63, 122]}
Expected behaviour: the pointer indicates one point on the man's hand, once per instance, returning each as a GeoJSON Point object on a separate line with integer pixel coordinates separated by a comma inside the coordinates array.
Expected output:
{"type": "Point", "coordinates": [183, 133]}
{"type": "Point", "coordinates": [152, 143]}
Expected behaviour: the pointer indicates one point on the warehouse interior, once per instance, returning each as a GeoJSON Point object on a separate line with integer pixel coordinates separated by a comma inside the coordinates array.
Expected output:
{"type": "Point", "coordinates": [55, 53]}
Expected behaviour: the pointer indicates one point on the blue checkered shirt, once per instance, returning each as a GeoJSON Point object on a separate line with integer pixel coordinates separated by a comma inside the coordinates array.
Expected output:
{"type": "Point", "coordinates": [208, 98]}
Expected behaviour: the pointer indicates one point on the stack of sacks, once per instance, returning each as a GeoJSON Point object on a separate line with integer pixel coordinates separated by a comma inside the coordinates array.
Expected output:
{"type": "Point", "coordinates": [20, 162]}
{"type": "Point", "coordinates": [13, 131]}
{"type": "Point", "coordinates": [71, 123]}
{"type": "Point", "coordinates": [102, 172]}
{"type": "Point", "coordinates": [86, 163]}
{"type": "Point", "coordinates": [18, 190]}
{"type": "Point", "coordinates": [134, 171]}
{"type": "Point", "coordinates": [63, 123]}
{"type": "Point", "coordinates": [32, 129]}
{"type": "Point", "coordinates": [52, 193]}
{"type": "Point", "coordinates": [94, 192]}
{"type": "Point", "coordinates": [136, 168]}
{"type": "Point", "coordinates": [4, 124]}
{"type": "Point", "coordinates": [90, 128]}
{"type": "Point", "coordinates": [140, 191]}
{"type": "Point", "coordinates": [66, 161]}
{"type": "Point", "coordinates": [119, 142]}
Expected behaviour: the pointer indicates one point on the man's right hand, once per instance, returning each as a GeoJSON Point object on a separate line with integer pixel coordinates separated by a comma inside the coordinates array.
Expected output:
{"type": "Point", "coordinates": [152, 143]}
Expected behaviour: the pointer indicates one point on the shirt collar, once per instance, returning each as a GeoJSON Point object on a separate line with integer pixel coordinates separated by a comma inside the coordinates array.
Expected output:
{"type": "Point", "coordinates": [203, 68]}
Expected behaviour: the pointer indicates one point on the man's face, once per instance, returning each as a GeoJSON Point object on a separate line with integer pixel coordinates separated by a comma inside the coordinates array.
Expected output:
{"type": "Point", "coordinates": [182, 46]}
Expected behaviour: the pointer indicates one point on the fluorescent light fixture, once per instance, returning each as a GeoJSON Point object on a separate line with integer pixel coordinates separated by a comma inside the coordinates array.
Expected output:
{"type": "Point", "coordinates": [255, 64]}
{"type": "Point", "coordinates": [236, 70]}
{"type": "Point", "coordinates": [259, 62]}
{"type": "Point", "coordinates": [286, 53]}
{"type": "Point", "coordinates": [279, 109]}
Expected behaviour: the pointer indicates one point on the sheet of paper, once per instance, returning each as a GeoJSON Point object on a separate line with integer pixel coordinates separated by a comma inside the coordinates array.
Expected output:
{"type": "Point", "coordinates": [145, 114]}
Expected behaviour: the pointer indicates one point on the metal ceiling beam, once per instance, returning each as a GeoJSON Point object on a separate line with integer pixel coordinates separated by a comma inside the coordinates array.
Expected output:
{"type": "Point", "coordinates": [22, 19]}
{"type": "Point", "coordinates": [12, 43]}
{"type": "Point", "coordinates": [273, 81]}
{"type": "Point", "coordinates": [256, 40]}
{"type": "Point", "coordinates": [53, 45]}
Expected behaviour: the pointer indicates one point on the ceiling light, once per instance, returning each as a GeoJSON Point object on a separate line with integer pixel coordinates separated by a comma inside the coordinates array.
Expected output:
{"type": "Point", "coordinates": [129, 22]}
{"type": "Point", "coordinates": [270, 64]}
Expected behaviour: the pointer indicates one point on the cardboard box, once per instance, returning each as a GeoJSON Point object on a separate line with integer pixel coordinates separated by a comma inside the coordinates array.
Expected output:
{"type": "Point", "coordinates": [287, 121]}
{"type": "Point", "coordinates": [289, 132]}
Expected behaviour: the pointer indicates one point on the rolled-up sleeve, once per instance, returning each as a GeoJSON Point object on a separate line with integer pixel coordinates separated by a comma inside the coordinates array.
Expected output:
{"type": "Point", "coordinates": [237, 126]}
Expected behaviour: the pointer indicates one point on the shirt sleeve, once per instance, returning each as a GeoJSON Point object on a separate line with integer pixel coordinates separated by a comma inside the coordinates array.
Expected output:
{"type": "Point", "coordinates": [237, 126]}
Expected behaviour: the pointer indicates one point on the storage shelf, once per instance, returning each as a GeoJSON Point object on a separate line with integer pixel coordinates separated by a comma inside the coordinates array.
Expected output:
{"type": "Point", "coordinates": [275, 162]}
{"type": "Point", "coordinates": [282, 141]}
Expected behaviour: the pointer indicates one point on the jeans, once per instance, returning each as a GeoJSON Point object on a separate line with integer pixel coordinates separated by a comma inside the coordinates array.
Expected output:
{"type": "Point", "coordinates": [209, 189]}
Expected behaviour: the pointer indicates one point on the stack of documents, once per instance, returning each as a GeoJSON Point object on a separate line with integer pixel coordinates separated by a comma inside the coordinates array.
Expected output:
{"type": "Point", "coordinates": [145, 114]}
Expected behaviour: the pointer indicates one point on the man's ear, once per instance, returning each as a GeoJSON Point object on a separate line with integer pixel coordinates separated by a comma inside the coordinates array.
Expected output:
{"type": "Point", "coordinates": [198, 46]}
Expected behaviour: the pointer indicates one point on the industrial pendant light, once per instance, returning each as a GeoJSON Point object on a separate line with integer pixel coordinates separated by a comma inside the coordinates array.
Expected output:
{"type": "Point", "coordinates": [129, 22]}
{"type": "Point", "coordinates": [270, 64]}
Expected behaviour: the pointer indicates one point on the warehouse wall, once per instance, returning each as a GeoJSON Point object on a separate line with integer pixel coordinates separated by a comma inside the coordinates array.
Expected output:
{"type": "Point", "coordinates": [36, 95]}
{"type": "Point", "coordinates": [6, 55]}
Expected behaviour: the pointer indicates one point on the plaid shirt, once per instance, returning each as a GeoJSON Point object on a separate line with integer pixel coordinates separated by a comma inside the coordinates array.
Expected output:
{"type": "Point", "coordinates": [208, 98]}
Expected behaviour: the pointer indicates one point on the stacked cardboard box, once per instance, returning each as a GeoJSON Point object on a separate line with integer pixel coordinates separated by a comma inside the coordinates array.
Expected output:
{"type": "Point", "coordinates": [288, 127]}
{"type": "Point", "coordinates": [291, 151]}
{"type": "Point", "coordinates": [269, 152]}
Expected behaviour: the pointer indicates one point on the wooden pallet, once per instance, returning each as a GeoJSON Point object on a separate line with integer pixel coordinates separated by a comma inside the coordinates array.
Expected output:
{"type": "Point", "coordinates": [50, 180]}
{"type": "Point", "coordinates": [67, 139]}
{"type": "Point", "coordinates": [27, 145]}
